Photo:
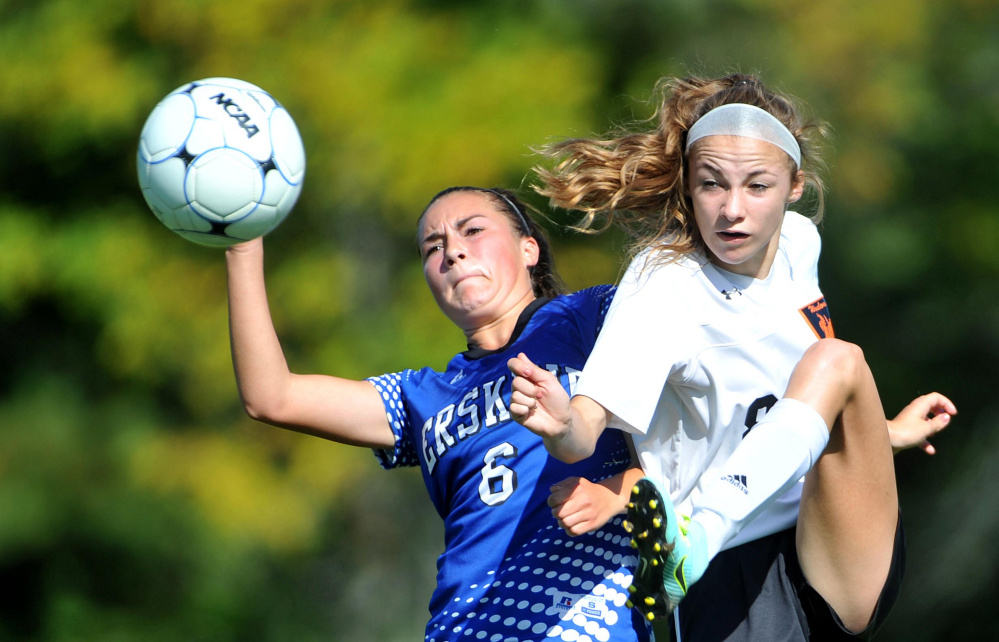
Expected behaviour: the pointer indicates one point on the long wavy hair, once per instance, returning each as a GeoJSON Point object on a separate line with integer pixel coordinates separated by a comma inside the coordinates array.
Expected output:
{"type": "Point", "coordinates": [637, 178]}
{"type": "Point", "coordinates": [545, 278]}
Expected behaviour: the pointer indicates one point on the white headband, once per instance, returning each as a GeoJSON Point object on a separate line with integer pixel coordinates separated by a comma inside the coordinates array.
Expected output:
{"type": "Point", "coordinates": [739, 119]}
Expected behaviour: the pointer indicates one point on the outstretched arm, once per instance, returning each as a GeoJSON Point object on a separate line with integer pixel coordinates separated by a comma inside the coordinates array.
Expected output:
{"type": "Point", "coordinates": [570, 428]}
{"type": "Point", "coordinates": [338, 409]}
{"type": "Point", "coordinates": [924, 417]}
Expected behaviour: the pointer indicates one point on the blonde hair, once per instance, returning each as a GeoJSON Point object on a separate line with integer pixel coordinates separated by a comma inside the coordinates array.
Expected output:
{"type": "Point", "coordinates": [637, 179]}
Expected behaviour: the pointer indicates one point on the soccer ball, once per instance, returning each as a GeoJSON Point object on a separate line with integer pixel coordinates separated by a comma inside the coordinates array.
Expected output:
{"type": "Point", "coordinates": [220, 161]}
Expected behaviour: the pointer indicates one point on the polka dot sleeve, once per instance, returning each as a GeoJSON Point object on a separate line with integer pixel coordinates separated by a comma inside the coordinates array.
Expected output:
{"type": "Point", "coordinates": [389, 386]}
{"type": "Point", "coordinates": [606, 294]}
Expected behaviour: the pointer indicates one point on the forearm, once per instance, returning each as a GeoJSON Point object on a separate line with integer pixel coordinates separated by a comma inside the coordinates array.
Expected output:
{"type": "Point", "coordinates": [579, 438]}
{"type": "Point", "coordinates": [620, 485]}
{"type": "Point", "coordinates": [261, 370]}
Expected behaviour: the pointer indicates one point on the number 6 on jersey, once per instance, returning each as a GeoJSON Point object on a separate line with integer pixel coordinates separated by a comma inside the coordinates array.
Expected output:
{"type": "Point", "coordinates": [498, 481]}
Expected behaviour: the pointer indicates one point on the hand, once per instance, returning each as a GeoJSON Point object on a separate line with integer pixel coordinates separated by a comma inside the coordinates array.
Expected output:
{"type": "Point", "coordinates": [538, 400]}
{"type": "Point", "coordinates": [922, 418]}
{"type": "Point", "coordinates": [580, 506]}
{"type": "Point", "coordinates": [246, 247]}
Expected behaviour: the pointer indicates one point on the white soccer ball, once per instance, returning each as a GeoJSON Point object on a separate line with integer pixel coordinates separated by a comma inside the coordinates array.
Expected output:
{"type": "Point", "coordinates": [220, 161]}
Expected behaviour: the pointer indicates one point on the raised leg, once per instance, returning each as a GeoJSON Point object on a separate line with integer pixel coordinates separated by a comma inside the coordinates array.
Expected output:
{"type": "Point", "coordinates": [849, 507]}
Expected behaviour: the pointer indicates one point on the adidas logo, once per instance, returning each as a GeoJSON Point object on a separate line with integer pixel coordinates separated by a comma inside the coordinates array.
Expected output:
{"type": "Point", "coordinates": [739, 481]}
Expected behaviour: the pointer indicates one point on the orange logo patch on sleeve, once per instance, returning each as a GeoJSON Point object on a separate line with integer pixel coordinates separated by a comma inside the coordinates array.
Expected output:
{"type": "Point", "coordinates": [817, 316]}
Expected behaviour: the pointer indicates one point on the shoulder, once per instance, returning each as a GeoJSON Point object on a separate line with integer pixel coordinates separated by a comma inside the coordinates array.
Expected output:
{"type": "Point", "coordinates": [583, 310]}
{"type": "Point", "coordinates": [798, 229]}
{"type": "Point", "coordinates": [412, 382]}
{"type": "Point", "coordinates": [800, 240]}
{"type": "Point", "coordinates": [653, 274]}
{"type": "Point", "coordinates": [587, 296]}
{"type": "Point", "coordinates": [588, 301]}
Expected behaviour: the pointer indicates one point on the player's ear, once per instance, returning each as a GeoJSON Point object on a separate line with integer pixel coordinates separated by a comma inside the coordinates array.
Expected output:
{"type": "Point", "coordinates": [797, 186]}
{"type": "Point", "coordinates": [531, 249]}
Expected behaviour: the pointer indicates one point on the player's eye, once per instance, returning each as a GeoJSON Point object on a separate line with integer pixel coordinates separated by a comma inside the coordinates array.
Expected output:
{"type": "Point", "coordinates": [470, 231]}
{"type": "Point", "coordinates": [430, 249]}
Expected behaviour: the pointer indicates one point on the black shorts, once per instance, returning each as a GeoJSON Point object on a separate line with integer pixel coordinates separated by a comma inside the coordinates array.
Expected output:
{"type": "Point", "coordinates": [756, 591]}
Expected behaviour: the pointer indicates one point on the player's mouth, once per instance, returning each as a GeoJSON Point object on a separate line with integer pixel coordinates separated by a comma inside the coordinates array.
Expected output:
{"type": "Point", "coordinates": [464, 277]}
{"type": "Point", "coordinates": [732, 236]}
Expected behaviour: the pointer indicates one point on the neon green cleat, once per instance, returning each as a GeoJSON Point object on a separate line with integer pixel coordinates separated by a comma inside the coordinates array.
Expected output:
{"type": "Point", "coordinates": [671, 554]}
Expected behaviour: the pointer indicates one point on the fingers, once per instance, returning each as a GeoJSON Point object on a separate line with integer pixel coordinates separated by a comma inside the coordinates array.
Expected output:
{"type": "Point", "coordinates": [573, 528]}
{"type": "Point", "coordinates": [573, 506]}
{"type": "Point", "coordinates": [937, 423]}
{"type": "Point", "coordinates": [530, 386]}
{"type": "Point", "coordinates": [564, 512]}
{"type": "Point", "coordinates": [940, 404]}
{"type": "Point", "coordinates": [933, 426]}
{"type": "Point", "coordinates": [561, 492]}
{"type": "Point", "coordinates": [525, 393]}
{"type": "Point", "coordinates": [521, 366]}
{"type": "Point", "coordinates": [573, 522]}
{"type": "Point", "coordinates": [936, 411]}
{"type": "Point", "coordinates": [924, 417]}
{"type": "Point", "coordinates": [521, 404]}
{"type": "Point", "coordinates": [934, 403]}
{"type": "Point", "coordinates": [538, 401]}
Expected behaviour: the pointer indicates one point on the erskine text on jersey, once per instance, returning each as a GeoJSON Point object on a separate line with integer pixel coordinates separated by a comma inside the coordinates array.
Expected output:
{"type": "Point", "coordinates": [456, 422]}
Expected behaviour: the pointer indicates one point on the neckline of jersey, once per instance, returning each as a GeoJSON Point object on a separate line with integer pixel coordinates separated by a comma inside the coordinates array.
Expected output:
{"type": "Point", "coordinates": [474, 353]}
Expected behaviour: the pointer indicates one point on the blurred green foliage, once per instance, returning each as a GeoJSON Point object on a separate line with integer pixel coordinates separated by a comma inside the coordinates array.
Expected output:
{"type": "Point", "coordinates": [138, 502]}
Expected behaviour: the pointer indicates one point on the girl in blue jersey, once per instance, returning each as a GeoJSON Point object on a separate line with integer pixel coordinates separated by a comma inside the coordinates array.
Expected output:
{"type": "Point", "coordinates": [507, 572]}
{"type": "Point", "coordinates": [717, 356]}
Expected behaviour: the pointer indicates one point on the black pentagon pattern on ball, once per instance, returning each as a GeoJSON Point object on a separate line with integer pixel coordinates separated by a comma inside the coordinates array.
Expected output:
{"type": "Point", "coordinates": [185, 156]}
{"type": "Point", "coordinates": [267, 165]}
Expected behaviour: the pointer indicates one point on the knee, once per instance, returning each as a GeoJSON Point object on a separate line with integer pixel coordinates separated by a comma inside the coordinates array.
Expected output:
{"type": "Point", "coordinates": [836, 361]}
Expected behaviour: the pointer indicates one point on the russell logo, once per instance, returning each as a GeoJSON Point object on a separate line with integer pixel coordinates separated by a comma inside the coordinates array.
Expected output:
{"type": "Point", "coordinates": [588, 605]}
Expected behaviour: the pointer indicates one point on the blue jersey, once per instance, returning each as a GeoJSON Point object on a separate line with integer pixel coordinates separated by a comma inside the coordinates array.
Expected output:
{"type": "Point", "coordinates": [508, 572]}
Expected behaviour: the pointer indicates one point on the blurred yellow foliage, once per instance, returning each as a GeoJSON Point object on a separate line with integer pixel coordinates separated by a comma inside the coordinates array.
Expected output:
{"type": "Point", "coordinates": [232, 485]}
{"type": "Point", "coordinates": [21, 263]}
{"type": "Point", "coordinates": [63, 64]}
{"type": "Point", "coordinates": [866, 173]}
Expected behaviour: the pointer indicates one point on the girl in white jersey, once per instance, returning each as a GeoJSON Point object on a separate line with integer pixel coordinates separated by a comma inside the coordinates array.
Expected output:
{"type": "Point", "coordinates": [717, 356]}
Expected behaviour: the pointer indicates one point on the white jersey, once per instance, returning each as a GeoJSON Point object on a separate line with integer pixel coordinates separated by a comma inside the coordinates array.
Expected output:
{"type": "Point", "coordinates": [691, 357]}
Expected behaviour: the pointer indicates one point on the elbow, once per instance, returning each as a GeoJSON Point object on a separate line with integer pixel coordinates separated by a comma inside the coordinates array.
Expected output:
{"type": "Point", "coordinates": [571, 458]}
{"type": "Point", "coordinates": [570, 455]}
{"type": "Point", "coordinates": [578, 456]}
{"type": "Point", "coordinates": [263, 400]}
{"type": "Point", "coordinates": [254, 412]}
{"type": "Point", "coordinates": [260, 410]}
